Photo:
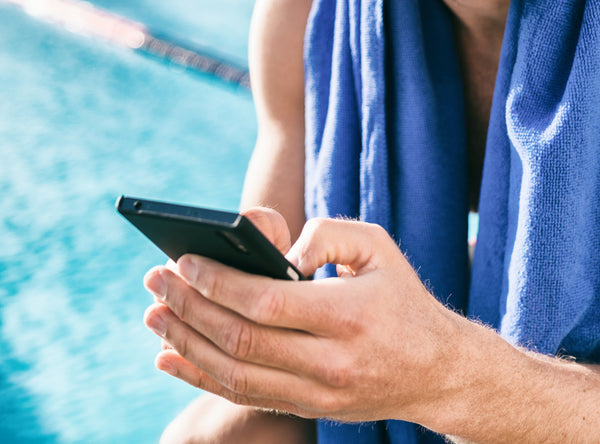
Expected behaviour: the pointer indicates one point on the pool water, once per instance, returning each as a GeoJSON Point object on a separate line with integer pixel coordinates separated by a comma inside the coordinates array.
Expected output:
{"type": "Point", "coordinates": [219, 25]}
{"type": "Point", "coordinates": [82, 122]}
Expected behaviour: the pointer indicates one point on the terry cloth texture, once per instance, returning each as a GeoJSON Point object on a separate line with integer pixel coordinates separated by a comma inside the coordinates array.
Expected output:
{"type": "Point", "coordinates": [386, 143]}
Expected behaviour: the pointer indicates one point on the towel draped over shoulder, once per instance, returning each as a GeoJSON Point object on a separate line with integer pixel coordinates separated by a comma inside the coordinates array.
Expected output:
{"type": "Point", "coordinates": [386, 143]}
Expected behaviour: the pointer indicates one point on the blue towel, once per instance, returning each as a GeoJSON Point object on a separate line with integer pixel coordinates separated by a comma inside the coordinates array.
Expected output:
{"type": "Point", "coordinates": [385, 143]}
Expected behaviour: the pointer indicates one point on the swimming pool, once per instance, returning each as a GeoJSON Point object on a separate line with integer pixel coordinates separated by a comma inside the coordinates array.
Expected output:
{"type": "Point", "coordinates": [81, 122]}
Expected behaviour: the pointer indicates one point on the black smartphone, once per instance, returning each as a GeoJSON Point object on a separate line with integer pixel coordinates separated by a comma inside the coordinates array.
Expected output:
{"type": "Point", "coordinates": [227, 237]}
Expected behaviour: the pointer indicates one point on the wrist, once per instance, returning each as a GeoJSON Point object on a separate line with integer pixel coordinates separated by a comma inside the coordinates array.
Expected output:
{"type": "Point", "coordinates": [494, 392]}
{"type": "Point", "coordinates": [479, 371]}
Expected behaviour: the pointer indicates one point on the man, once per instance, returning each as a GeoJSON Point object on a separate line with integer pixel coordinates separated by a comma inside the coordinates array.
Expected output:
{"type": "Point", "coordinates": [373, 344]}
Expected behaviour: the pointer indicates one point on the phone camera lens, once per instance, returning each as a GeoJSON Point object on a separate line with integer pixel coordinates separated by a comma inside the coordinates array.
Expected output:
{"type": "Point", "coordinates": [137, 205]}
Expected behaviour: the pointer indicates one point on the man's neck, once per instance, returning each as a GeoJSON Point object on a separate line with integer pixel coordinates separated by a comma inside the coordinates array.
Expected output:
{"type": "Point", "coordinates": [480, 24]}
{"type": "Point", "coordinates": [479, 31]}
{"type": "Point", "coordinates": [480, 16]}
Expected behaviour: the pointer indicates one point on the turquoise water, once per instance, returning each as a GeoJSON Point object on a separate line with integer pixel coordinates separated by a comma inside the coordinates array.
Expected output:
{"type": "Point", "coordinates": [81, 122]}
{"type": "Point", "coordinates": [220, 25]}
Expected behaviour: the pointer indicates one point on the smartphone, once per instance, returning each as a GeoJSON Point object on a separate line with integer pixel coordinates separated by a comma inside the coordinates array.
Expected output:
{"type": "Point", "coordinates": [227, 237]}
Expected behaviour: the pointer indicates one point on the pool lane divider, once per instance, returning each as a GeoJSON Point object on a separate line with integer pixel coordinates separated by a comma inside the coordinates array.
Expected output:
{"type": "Point", "coordinates": [83, 18]}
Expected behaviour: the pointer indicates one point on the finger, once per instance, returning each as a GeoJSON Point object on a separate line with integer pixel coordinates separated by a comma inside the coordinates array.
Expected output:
{"type": "Point", "coordinates": [155, 294]}
{"type": "Point", "coordinates": [340, 242]}
{"type": "Point", "coordinates": [234, 334]}
{"type": "Point", "coordinates": [175, 365]}
{"type": "Point", "coordinates": [344, 271]}
{"type": "Point", "coordinates": [272, 225]}
{"type": "Point", "coordinates": [171, 265]}
{"type": "Point", "coordinates": [245, 379]}
{"type": "Point", "coordinates": [311, 306]}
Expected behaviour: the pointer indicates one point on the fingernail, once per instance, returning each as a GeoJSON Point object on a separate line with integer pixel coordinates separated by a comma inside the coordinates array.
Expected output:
{"type": "Point", "coordinates": [166, 367]}
{"type": "Point", "coordinates": [293, 256]}
{"type": "Point", "coordinates": [296, 259]}
{"type": "Point", "coordinates": [188, 269]}
{"type": "Point", "coordinates": [157, 286]}
{"type": "Point", "coordinates": [157, 325]}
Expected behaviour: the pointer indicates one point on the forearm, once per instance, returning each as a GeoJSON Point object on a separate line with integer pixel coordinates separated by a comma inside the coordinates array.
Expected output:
{"type": "Point", "coordinates": [275, 176]}
{"type": "Point", "coordinates": [275, 179]}
{"type": "Point", "coordinates": [509, 395]}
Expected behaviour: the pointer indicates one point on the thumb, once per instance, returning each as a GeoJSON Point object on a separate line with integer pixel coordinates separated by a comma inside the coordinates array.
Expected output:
{"type": "Point", "coordinates": [357, 246]}
{"type": "Point", "coordinates": [272, 225]}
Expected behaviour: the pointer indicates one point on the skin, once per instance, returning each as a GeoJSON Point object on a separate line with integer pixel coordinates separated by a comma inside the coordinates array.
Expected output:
{"type": "Point", "coordinates": [275, 179]}
{"type": "Point", "coordinates": [275, 176]}
{"type": "Point", "coordinates": [478, 31]}
{"type": "Point", "coordinates": [212, 419]}
{"type": "Point", "coordinates": [327, 348]}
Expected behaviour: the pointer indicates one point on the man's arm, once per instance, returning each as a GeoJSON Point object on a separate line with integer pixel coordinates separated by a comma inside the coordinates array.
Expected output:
{"type": "Point", "coordinates": [275, 176]}
{"type": "Point", "coordinates": [527, 397]}
{"type": "Point", "coordinates": [372, 344]}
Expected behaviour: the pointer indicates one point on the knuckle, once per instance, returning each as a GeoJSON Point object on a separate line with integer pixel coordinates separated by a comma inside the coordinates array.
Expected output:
{"type": "Point", "coordinates": [270, 305]}
{"type": "Point", "coordinates": [183, 347]}
{"type": "Point", "coordinates": [378, 232]}
{"type": "Point", "coordinates": [199, 381]}
{"type": "Point", "coordinates": [238, 399]}
{"type": "Point", "coordinates": [236, 379]}
{"type": "Point", "coordinates": [182, 308]}
{"type": "Point", "coordinates": [311, 240]}
{"type": "Point", "coordinates": [237, 339]}
{"type": "Point", "coordinates": [338, 376]}
{"type": "Point", "coordinates": [314, 226]}
{"type": "Point", "coordinates": [212, 284]}
{"type": "Point", "coordinates": [349, 324]}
